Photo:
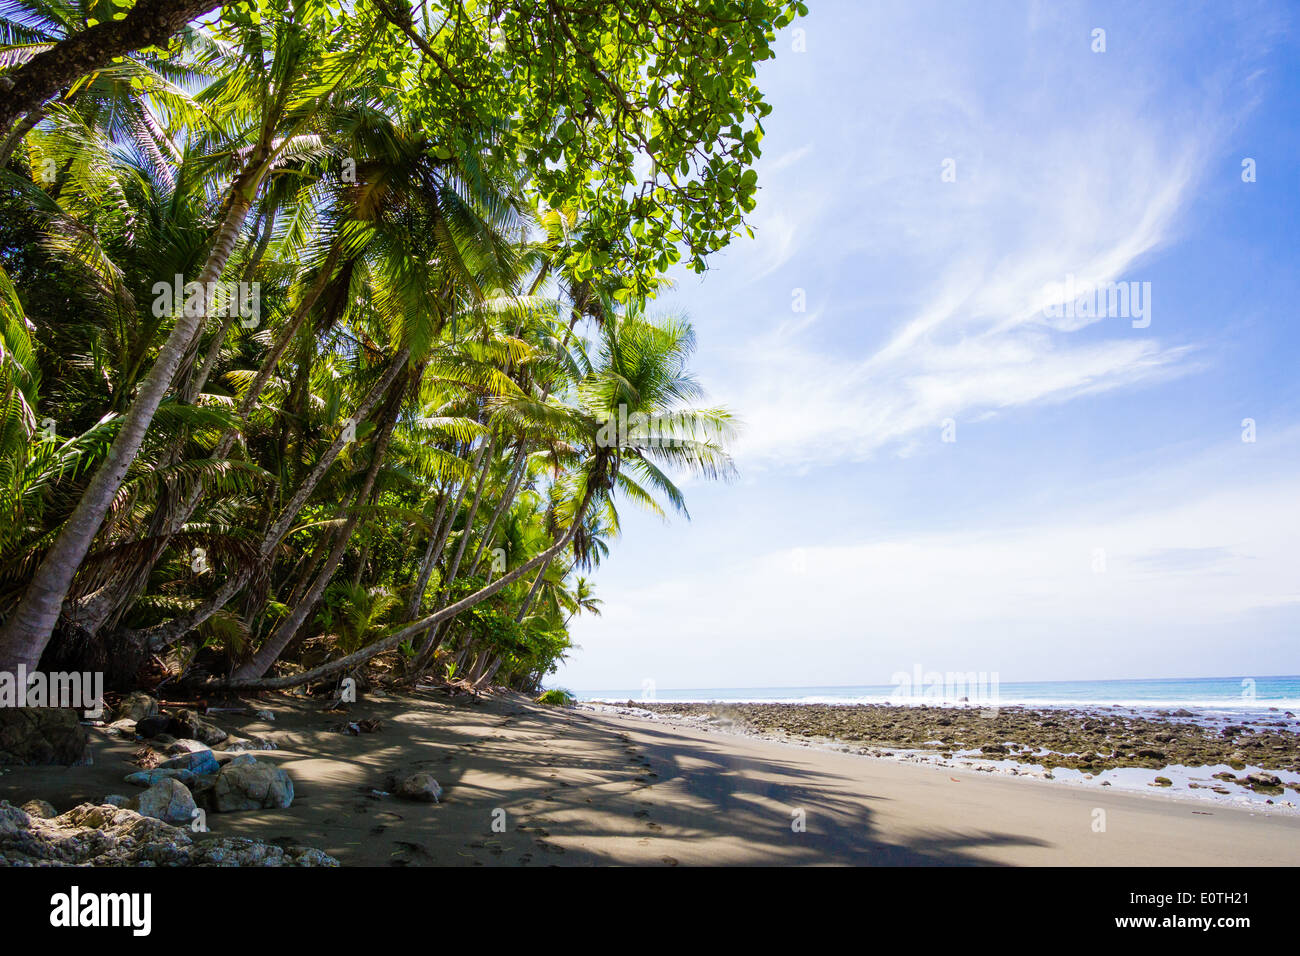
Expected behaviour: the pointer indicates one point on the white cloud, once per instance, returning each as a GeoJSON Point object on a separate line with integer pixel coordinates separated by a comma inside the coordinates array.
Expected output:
{"type": "Point", "coordinates": [950, 321]}
{"type": "Point", "coordinates": [1022, 601]}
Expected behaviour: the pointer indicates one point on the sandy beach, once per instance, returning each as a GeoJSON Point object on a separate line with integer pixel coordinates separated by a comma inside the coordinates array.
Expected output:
{"type": "Point", "coordinates": [525, 784]}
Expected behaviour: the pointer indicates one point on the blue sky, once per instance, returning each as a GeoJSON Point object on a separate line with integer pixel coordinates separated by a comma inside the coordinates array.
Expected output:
{"type": "Point", "coordinates": [1098, 514]}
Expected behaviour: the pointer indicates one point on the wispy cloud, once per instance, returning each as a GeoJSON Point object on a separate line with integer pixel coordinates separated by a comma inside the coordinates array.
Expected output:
{"type": "Point", "coordinates": [1027, 601]}
{"type": "Point", "coordinates": [956, 274]}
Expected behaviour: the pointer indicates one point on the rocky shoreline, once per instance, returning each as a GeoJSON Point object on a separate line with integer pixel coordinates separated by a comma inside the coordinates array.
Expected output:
{"type": "Point", "coordinates": [181, 772]}
{"type": "Point", "coordinates": [89, 835]}
{"type": "Point", "coordinates": [1090, 741]}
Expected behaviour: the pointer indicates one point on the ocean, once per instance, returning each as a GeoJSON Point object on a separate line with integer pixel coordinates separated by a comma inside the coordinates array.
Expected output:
{"type": "Point", "coordinates": [1205, 695]}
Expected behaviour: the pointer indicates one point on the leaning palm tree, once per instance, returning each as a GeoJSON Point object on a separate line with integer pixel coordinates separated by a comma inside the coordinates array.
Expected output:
{"type": "Point", "coordinates": [287, 77]}
{"type": "Point", "coordinates": [642, 378]}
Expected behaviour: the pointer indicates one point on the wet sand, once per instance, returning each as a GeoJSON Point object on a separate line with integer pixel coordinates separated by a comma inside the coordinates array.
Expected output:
{"type": "Point", "coordinates": [530, 785]}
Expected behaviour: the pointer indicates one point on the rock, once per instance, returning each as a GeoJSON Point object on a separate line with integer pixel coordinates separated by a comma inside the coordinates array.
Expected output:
{"type": "Point", "coordinates": [993, 749]}
{"type": "Point", "coordinates": [123, 728]}
{"type": "Point", "coordinates": [240, 745]}
{"type": "Point", "coordinates": [420, 787]}
{"type": "Point", "coordinates": [40, 808]}
{"type": "Point", "coordinates": [1162, 782]}
{"type": "Point", "coordinates": [240, 760]}
{"type": "Point", "coordinates": [135, 706]}
{"type": "Point", "coordinates": [106, 835]}
{"type": "Point", "coordinates": [1150, 753]}
{"type": "Point", "coordinates": [196, 729]}
{"type": "Point", "coordinates": [35, 736]}
{"type": "Point", "coordinates": [117, 800]}
{"type": "Point", "coordinates": [265, 715]}
{"type": "Point", "coordinates": [167, 800]}
{"type": "Point", "coordinates": [152, 726]}
{"type": "Point", "coordinates": [201, 761]}
{"type": "Point", "coordinates": [181, 725]}
{"type": "Point", "coordinates": [178, 747]}
{"type": "Point", "coordinates": [1264, 779]}
{"type": "Point", "coordinates": [251, 786]}
{"type": "Point", "coordinates": [147, 778]}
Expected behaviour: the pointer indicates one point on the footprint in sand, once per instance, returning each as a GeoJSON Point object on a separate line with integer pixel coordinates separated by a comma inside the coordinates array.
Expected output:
{"type": "Point", "coordinates": [408, 853]}
{"type": "Point", "coordinates": [670, 861]}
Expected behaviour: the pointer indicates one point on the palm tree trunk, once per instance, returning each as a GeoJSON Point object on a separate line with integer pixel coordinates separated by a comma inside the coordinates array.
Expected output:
{"type": "Point", "coordinates": [28, 628]}
{"type": "Point", "coordinates": [270, 652]}
{"type": "Point", "coordinates": [521, 459]}
{"type": "Point", "coordinates": [532, 594]}
{"type": "Point", "coordinates": [351, 661]}
{"type": "Point", "coordinates": [416, 603]}
{"type": "Point", "coordinates": [147, 23]}
{"type": "Point", "coordinates": [169, 632]}
{"type": "Point", "coordinates": [25, 126]}
{"type": "Point", "coordinates": [491, 672]}
{"type": "Point", "coordinates": [446, 534]}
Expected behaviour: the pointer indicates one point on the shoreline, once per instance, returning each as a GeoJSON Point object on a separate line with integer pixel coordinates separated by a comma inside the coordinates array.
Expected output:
{"type": "Point", "coordinates": [1249, 757]}
{"type": "Point", "coordinates": [574, 787]}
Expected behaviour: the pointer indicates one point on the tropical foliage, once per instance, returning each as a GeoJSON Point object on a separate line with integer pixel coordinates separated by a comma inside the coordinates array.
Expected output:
{"type": "Point", "coordinates": [326, 329]}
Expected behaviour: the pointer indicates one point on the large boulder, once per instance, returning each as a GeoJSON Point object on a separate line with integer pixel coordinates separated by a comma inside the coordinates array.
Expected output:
{"type": "Point", "coordinates": [135, 706]}
{"type": "Point", "coordinates": [91, 835]}
{"type": "Point", "coordinates": [251, 786]}
{"type": "Point", "coordinates": [32, 736]}
{"type": "Point", "coordinates": [167, 800]}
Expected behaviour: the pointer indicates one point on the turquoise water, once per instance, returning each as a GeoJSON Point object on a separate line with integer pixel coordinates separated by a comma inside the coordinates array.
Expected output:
{"type": "Point", "coordinates": [1212, 694]}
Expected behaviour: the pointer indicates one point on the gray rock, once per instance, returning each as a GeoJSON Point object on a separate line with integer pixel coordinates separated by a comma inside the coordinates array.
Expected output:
{"type": "Point", "coordinates": [178, 747]}
{"type": "Point", "coordinates": [1264, 779]}
{"type": "Point", "coordinates": [186, 723]}
{"type": "Point", "coordinates": [251, 786]}
{"type": "Point", "coordinates": [147, 778]}
{"type": "Point", "coordinates": [265, 715]}
{"type": "Point", "coordinates": [420, 787]}
{"type": "Point", "coordinates": [40, 808]}
{"type": "Point", "coordinates": [91, 835]}
{"type": "Point", "coordinates": [200, 761]}
{"type": "Point", "coordinates": [135, 706]}
{"type": "Point", "coordinates": [167, 800]}
{"type": "Point", "coordinates": [152, 727]}
{"type": "Point", "coordinates": [117, 800]}
{"type": "Point", "coordinates": [123, 728]}
{"type": "Point", "coordinates": [35, 736]}
{"type": "Point", "coordinates": [236, 745]}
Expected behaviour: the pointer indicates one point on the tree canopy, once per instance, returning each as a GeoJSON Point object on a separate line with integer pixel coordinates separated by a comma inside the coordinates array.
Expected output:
{"type": "Point", "coordinates": [322, 323]}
